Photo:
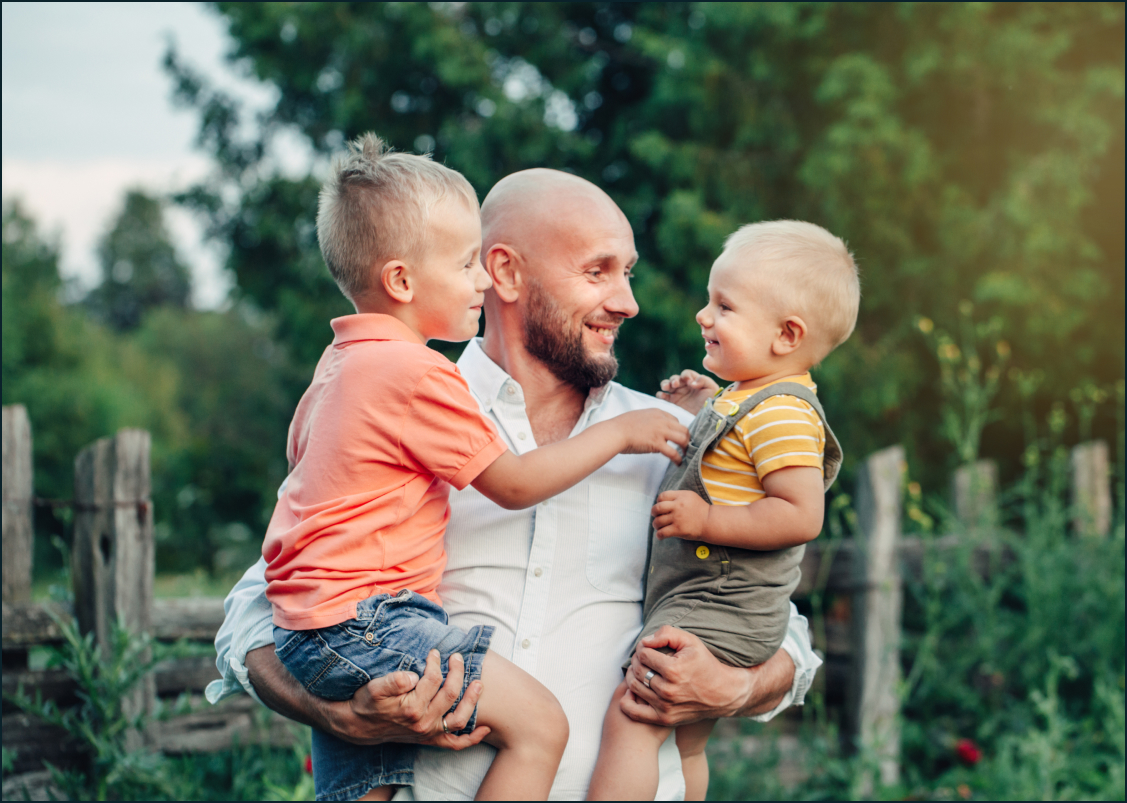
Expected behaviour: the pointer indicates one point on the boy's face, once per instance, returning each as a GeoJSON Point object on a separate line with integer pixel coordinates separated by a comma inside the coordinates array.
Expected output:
{"type": "Point", "coordinates": [737, 324]}
{"type": "Point", "coordinates": [449, 281]}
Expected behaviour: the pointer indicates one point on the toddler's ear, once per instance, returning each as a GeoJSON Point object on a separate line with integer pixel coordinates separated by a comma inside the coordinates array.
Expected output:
{"type": "Point", "coordinates": [396, 282]}
{"type": "Point", "coordinates": [792, 332]}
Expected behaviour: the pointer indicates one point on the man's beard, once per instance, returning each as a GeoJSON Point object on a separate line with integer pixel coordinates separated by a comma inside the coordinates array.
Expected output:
{"type": "Point", "coordinates": [550, 339]}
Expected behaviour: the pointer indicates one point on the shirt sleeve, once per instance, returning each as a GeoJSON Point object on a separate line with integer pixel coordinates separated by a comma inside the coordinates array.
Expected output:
{"type": "Point", "coordinates": [247, 625]}
{"type": "Point", "coordinates": [783, 432]}
{"type": "Point", "coordinates": [806, 663]}
{"type": "Point", "coordinates": [444, 431]}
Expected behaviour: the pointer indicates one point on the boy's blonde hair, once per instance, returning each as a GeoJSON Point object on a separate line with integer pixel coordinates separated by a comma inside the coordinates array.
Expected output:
{"type": "Point", "coordinates": [806, 271]}
{"type": "Point", "coordinates": [374, 208]}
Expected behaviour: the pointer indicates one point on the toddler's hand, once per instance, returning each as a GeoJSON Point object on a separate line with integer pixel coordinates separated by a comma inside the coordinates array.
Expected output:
{"type": "Point", "coordinates": [679, 514]}
{"type": "Point", "coordinates": [648, 431]}
{"type": "Point", "coordinates": [688, 390]}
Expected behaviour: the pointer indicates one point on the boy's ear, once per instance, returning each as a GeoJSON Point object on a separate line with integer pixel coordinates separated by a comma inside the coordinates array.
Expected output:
{"type": "Point", "coordinates": [792, 333]}
{"type": "Point", "coordinates": [396, 281]}
{"type": "Point", "coordinates": [502, 263]}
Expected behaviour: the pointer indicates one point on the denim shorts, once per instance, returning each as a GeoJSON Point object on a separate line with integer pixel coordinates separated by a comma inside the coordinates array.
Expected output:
{"type": "Point", "coordinates": [389, 634]}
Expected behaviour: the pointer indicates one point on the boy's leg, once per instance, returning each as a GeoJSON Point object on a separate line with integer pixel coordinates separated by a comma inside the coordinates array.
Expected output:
{"type": "Point", "coordinates": [526, 725]}
{"type": "Point", "coordinates": [380, 793]}
{"type": "Point", "coordinates": [627, 768]}
{"type": "Point", "coordinates": [691, 741]}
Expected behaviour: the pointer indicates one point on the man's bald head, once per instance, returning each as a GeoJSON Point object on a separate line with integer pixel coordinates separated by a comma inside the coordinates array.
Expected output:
{"type": "Point", "coordinates": [545, 209]}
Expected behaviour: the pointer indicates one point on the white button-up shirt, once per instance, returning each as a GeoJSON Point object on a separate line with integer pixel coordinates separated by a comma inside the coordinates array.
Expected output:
{"type": "Point", "coordinates": [561, 583]}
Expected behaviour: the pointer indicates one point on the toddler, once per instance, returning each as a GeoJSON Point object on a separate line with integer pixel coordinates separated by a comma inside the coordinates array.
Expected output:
{"type": "Point", "coordinates": [355, 546]}
{"type": "Point", "coordinates": [731, 520]}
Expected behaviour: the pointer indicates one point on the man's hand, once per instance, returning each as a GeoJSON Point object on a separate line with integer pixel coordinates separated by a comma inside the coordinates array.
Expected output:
{"type": "Point", "coordinates": [680, 514]}
{"type": "Point", "coordinates": [400, 707]}
{"type": "Point", "coordinates": [691, 684]}
{"type": "Point", "coordinates": [688, 390]}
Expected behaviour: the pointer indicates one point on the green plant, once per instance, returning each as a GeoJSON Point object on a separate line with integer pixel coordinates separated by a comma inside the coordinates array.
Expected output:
{"type": "Point", "coordinates": [103, 723]}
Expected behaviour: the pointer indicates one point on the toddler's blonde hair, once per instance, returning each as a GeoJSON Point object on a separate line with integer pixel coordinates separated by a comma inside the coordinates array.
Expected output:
{"type": "Point", "coordinates": [805, 270]}
{"type": "Point", "coordinates": [374, 207]}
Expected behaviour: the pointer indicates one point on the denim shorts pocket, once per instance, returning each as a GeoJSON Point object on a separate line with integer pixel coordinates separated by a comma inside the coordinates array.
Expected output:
{"type": "Point", "coordinates": [322, 670]}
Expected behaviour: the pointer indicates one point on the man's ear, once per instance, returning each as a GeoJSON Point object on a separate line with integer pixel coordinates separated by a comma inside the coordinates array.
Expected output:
{"type": "Point", "coordinates": [503, 265]}
{"type": "Point", "coordinates": [791, 334]}
{"type": "Point", "coordinates": [396, 281]}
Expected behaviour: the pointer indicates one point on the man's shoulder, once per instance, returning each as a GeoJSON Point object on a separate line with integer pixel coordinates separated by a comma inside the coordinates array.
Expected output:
{"type": "Point", "coordinates": [622, 399]}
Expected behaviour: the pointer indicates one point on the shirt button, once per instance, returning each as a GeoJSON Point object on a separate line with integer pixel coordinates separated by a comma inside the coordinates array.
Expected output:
{"type": "Point", "coordinates": [521, 435]}
{"type": "Point", "coordinates": [510, 390]}
{"type": "Point", "coordinates": [538, 571]}
{"type": "Point", "coordinates": [526, 644]}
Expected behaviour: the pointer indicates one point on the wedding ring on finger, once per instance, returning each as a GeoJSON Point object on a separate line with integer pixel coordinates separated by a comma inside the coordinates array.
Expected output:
{"type": "Point", "coordinates": [649, 676]}
{"type": "Point", "coordinates": [444, 728]}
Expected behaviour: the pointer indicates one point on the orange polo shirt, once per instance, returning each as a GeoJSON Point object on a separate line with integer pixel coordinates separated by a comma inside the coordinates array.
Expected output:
{"type": "Point", "coordinates": [384, 430]}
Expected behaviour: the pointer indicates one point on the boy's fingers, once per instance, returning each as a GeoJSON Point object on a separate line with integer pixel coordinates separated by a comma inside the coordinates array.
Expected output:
{"type": "Point", "coordinates": [671, 451]}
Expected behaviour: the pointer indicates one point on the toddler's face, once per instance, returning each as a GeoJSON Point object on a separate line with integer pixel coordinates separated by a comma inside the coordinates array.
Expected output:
{"type": "Point", "coordinates": [737, 326]}
{"type": "Point", "coordinates": [450, 282]}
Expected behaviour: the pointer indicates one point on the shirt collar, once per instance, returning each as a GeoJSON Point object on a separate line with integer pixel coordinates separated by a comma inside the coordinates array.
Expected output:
{"type": "Point", "coordinates": [371, 326]}
{"type": "Point", "coordinates": [489, 381]}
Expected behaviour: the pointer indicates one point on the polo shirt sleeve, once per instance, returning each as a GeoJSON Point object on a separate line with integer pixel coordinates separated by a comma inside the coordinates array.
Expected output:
{"type": "Point", "coordinates": [444, 431]}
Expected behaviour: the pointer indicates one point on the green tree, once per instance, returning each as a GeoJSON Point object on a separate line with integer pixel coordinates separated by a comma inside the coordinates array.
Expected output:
{"type": "Point", "coordinates": [966, 153]}
{"type": "Point", "coordinates": [140, 269]}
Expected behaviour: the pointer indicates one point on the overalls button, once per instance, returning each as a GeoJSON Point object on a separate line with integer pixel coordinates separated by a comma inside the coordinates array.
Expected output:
{"type": "Point", "coordinates": [702, 552]}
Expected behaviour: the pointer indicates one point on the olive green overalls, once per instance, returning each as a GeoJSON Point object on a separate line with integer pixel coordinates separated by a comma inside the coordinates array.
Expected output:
{"type": "Point", "coordinates": [735, 600]}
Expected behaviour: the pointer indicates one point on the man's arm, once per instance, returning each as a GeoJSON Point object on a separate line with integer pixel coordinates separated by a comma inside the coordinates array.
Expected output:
{"type": "Point", "coordinates": [691, 684]}
{"type": "Point", "coordinates": [400, 707]}
{"type": "Point", "coordinates": [397, 708]}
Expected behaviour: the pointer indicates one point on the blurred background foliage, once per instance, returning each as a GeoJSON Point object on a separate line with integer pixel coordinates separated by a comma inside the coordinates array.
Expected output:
{"type": "Point", "coordinates": [972, 155]}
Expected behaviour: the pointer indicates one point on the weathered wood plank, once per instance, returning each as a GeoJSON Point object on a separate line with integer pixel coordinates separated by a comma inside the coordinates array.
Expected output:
{"type": "Point", "coordinates": [112, 554]}
{"type": "Point", "coordinates": [873, 702]}
{"type": "Point", "coordinates": [1091, 489]}
{"type": "Point", "coordinates": [238, 719]}
{"type": "Point", "coordinates": [27, 624]}
{"type": "Point", "coordinates": [34, 742]}
{"type": "Point", "coordinates": [17, 530]}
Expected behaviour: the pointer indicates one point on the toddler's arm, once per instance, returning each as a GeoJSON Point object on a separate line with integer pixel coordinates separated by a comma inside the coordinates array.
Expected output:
{"type": "Point", "coordinates": [519, 481]}
{"type": "Point", "coordinates": [790, 515]}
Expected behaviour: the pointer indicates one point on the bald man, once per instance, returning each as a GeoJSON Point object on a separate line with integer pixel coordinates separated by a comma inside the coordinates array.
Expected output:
{"type": "Point", "coordinates": [561, 583]}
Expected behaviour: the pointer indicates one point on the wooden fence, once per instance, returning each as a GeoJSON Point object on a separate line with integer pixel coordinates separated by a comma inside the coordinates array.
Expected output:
{"type": "Point", "coordinates": [113, 564]}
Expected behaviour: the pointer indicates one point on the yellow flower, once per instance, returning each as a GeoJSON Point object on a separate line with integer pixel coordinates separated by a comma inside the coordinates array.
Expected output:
{"type": "Point", "coordinates": [1003, 349]}
{"type": "Point", "coordinates": [949, 352]}
{"type": "Point", "coordinates": [914, 489]}
{"type": "Point", "coordinates": [925, 325]}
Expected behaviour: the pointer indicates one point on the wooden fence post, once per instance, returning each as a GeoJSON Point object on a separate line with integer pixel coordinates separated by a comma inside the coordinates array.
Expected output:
{"type": "Point", "coordinates": [112, 557]}
{"type": "Point", "coordinates": [17, 521]}
{"type": "Point", "coordinates": [873, 698]}
{"type": "Point", "coordinates": [975, 490]}
{"type": "Point", "coordinates": [1091, 489]}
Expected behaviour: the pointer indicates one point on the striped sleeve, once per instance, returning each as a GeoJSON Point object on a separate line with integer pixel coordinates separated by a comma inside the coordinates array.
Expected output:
{"type": "Point", "coordinates": [782, 432]}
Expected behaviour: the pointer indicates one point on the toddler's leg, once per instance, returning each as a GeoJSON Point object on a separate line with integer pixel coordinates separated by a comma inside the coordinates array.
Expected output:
{"type": "Point", "coordinates": [380, 793]}
{"type": "Point", "coordinates": [528, 728]}
{"type": "Point", "coordinates": [627, 766]}
{"type": "Point", "coordinates": [691, 741]}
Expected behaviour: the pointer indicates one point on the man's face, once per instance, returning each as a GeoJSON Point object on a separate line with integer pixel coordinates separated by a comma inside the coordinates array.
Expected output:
{"type": "Point", "coordinates": [577, 296]}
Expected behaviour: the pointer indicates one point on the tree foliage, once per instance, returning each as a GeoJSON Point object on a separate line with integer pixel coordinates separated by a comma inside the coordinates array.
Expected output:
{"type": "Point", "coordinates": [965, 152]}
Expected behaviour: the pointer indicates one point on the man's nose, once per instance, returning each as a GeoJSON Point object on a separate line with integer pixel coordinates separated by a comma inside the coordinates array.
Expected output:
{"type": "Point", "coordinates": [622, 301]}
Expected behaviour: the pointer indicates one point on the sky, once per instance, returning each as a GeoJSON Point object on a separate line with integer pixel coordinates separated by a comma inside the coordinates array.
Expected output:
{"type": "Point", "coordinates": [87, 113]}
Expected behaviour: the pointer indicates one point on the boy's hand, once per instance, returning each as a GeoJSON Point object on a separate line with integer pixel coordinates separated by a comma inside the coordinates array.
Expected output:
{"type": "Point", "coordinates": [648, 431]}
{"type": "Point", "coordinates": [688, 390]}
{"type": "Point", "coordinates": [680, 514]}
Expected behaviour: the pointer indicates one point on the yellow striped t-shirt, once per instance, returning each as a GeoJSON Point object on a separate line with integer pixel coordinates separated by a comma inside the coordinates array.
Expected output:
{"type": "Point", "coordinates": [781, 432]}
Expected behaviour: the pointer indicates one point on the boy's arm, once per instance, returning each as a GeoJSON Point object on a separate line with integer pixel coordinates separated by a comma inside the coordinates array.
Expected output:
{"type": "Point", "coordinates": [519, 481]}
{"type": "Point", "coordinates": [790, 515]}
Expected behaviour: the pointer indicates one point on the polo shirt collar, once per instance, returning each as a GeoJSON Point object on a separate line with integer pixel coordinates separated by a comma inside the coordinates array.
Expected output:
{"type": "Point", "coordinates": [371, 326]}
{"type": "Point", "coordinates": [489, 381]}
